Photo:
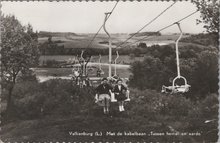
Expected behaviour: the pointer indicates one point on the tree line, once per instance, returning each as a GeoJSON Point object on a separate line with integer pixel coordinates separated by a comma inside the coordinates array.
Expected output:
{"type": "Point", "coordinates": [199, 66]}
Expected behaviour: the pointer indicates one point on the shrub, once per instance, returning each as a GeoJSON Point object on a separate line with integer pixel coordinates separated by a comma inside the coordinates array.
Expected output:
{"type": "Point", "coordinates": [34, 99]}
{"type": "Point", "coordinates": [152, 104]}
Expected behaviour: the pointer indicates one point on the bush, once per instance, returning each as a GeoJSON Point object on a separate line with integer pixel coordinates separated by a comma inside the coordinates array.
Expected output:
{"type": "Point", "coordinates": [147, 111]}
{"type": "Point", "coordinates": [159, 66]}
{"type": "Point", "coordinates": [151, 104]}
{"type": "Point", "coordinates": [34, 99]}
{"type": "Point", "coordinates": [51, 63]}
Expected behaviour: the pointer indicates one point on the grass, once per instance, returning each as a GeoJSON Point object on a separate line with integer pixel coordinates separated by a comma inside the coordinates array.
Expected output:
{"type": "Point", "coordinates": [122, 72]}
{"type": "Point", "coordinates": [140, 117]}
{"type": "Point", "coordinates": [122, 59]}
{"type": "Point", "coordinates": [57, 128]}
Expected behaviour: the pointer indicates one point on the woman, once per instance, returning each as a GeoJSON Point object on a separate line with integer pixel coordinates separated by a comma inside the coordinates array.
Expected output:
{"type": "Point", "coordinates": [102, 97]}
{"type": "Point", "coordinates": [120, 94]}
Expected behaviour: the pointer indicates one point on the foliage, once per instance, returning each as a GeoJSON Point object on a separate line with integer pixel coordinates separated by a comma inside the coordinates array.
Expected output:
{"type": "Point", "coordinates": [205, 75]}
{"type": "Point", "coordinates": [55, 34]}
{"type": "Point", "coordinates": [147, 73]}
{"type": "Point", "coordinates": [159, 68]}
{"type": "Point", "coordinates": [142, 45]}
{"type": "Point", "coordinates": [208, 39]}
{"type": "Point", "coordinates": [58, 103]}
{"type": "Point", "coordinates": [146, 34]}
{"type": "Point", "coordinates": [51, 63]}
{"type": "Point", "coordinates": [33, 99]}
{"type": "Point", "coordinates": [209, 14]}
{"type": "Point", "coordinates": [19, 51]}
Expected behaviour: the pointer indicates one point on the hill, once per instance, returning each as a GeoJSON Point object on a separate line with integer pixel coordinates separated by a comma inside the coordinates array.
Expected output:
{"type": "Point", "coordinates": [205, 39]}
{"type": "Point", "coordinates": [47, 113]}
{"type": "Point", "coordinates": [55, 34]}
{"type": "Point", "coordinates": [81, 41]}
{"type": "Point", "coordinates": [146, 34]}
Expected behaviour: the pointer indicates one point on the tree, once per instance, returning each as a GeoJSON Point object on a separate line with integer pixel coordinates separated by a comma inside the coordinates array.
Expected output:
{"type": "Point", "coordinates": [148, 74]}
{"type": "Point", "coordinates": [205, 78]}
{"type": "Point", "coordinates": [142, 45]}
{"type": "Point", "coordinates": [19, 52]}
{"type": "Point", "coordinates": [209, 14]}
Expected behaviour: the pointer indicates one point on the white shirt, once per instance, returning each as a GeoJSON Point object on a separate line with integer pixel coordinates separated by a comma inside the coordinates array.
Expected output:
{"type": "Point", "coordinates": [119, 87]}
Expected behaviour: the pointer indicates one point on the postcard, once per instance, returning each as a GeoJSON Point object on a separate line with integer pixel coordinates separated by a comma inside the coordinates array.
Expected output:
{"type": "Point", "coordinates": [109, 71]}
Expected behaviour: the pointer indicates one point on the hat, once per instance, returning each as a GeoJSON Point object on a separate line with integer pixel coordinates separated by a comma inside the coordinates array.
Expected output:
{"type": "Point", "coordinates": [104, 79]}
{"type": "Point", "coordinates": [119, 80]}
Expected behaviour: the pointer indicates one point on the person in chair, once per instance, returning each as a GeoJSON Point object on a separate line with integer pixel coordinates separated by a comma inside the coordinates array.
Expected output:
{"type": "Point", "coordinates": [120, 94]}
{"type": "Point", "coordinates": [102, 97]}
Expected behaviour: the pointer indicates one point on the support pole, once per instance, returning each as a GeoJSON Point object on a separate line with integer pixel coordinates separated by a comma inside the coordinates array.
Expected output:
{"type": "Point", "coordinates": [100, 57]}
{"type": "Point", "coordinates": [109, 45]}
{"type": "Point", "coordinates": [83, 63]}
{"type": "Point", "coordinates": [177, 51]}
{"type": "Point", "coordinates": [116, 62]}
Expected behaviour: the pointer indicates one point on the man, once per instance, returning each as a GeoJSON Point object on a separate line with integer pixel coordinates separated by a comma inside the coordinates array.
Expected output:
{"type": "Point", "coordinates": [103, 92]}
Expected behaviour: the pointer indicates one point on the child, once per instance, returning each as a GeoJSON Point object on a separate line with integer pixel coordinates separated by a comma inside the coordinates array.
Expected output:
{"type": "Point", "coordinates": [120, 94]}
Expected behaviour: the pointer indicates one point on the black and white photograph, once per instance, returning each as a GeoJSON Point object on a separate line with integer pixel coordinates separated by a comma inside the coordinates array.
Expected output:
{"type": "Point", "coordinates": [109, 71]}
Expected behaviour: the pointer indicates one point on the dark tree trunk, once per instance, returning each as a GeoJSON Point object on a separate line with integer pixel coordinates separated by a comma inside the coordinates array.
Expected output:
{"type": "Point", "coordinates": [9, 98]}
{"type": "Point", "coordinates": [10, 90]}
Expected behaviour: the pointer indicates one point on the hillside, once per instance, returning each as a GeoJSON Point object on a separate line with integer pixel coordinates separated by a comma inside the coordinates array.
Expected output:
{"type": "Point", "coordinates": [149, 117]}
{"type": "Point", "coordinates": [146, 34]}
{"type": "Point", "coordinates": [55, 34]}
{"type": "Point", "coordinates": [72, 40]}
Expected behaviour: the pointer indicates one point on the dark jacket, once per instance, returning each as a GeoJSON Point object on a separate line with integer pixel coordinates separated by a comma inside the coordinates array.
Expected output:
{"type": "Point", "coordinates": [103, 89]}
{"type": "Point", "coordinates": [120, 94]}
{"type": "Point", "coordinates": [121, 91]}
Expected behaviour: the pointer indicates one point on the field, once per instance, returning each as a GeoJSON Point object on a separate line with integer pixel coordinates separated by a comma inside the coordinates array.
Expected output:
{"type": "Point", "coordinates": [66, 73]}
{"type": "Point", "coordinates": [83, 40]}
{"type": "Point", "coordinates": [123, 59]}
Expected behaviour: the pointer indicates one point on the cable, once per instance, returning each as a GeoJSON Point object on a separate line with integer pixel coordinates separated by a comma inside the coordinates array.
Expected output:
{"type": "Point", "coordinates": [144, 38]}
{"type": "Point", "coordinates": [90, 43]}
{"type": "Point", "coordinates": [147, 24]}
{"type": "Point", "coordinates": [177, 21]}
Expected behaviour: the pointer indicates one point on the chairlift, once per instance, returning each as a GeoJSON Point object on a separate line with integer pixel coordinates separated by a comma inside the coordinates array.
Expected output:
{"type": "Point", "coordinates": [81, 77]}
{"type": "Point", "coordinates": [116, 63]}
{"type": "Point", "coordinates": [127, 93]}
{"type": "Point", "coordinates": [100, 71]}
{"type": "Point", "coordinates": [175, 88]}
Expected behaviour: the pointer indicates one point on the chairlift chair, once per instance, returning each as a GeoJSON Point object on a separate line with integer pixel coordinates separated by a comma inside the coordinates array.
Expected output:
{"type": "Point", "coordinates": [116, 63]}
{"type": "Point", "coordinates": [100, 66]}
{"type": "Point", "coordinates": [127, 95]}
{"type": "Point", "coordinates": [177, 88]}
{"type": "Point", "coordinates": [82, 79]}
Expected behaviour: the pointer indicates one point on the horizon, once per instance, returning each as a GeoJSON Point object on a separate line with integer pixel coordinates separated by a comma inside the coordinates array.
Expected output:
{"type": "Point", "coordinates": [167, 33]}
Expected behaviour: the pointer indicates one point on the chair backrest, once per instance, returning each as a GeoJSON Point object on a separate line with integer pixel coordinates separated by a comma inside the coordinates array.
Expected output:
{"type": "Point", "coordinates": [182, 88]}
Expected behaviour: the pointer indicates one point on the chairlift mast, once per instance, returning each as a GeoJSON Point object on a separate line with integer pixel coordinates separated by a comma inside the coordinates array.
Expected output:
{"type": "Point", "coordinates": [177, 61]}
{"type": "Point", "coordinates": [83, 63]}
{"type": "Point", "coordinates": [116, 62]}
{"type": "Point", "coordinates": [177, 50]}
{"type": "Point", "coordinates": [100, 57]}
{"type": "Point", "coordinates": [109, 44]}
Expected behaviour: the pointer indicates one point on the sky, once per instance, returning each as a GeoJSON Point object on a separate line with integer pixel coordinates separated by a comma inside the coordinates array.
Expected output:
{"type": "Point", "coordinates": [87, 17]}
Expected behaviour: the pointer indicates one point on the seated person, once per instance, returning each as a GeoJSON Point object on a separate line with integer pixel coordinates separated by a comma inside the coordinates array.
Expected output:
{"type": "Point", "coordinates": [103, 92]}
{"type": "Point", "coordinates": [98, 74]}
{"type": "Point", "coordinates": [120, 94]}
